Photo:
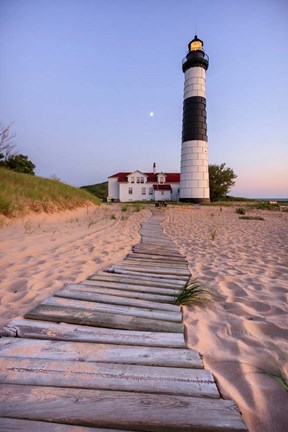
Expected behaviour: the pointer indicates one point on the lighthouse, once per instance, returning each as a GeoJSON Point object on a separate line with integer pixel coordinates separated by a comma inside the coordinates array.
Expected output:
{"type": "Point", "coordinates": [194, 175]}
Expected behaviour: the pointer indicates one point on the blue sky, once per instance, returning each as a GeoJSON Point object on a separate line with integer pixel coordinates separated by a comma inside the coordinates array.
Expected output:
{"type": "Point", "coordinates": [78, 79]}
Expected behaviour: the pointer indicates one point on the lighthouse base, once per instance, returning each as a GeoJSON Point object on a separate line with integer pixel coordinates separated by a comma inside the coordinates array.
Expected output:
{"type": "Point", "coordinates": [195, 200]}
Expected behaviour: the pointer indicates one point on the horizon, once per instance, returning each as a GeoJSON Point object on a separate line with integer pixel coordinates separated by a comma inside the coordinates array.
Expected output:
{"type": "Point", "coordinates": [81, 84]}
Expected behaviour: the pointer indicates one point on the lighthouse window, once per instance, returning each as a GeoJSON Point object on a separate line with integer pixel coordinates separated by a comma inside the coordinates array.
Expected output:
{"type": "Point", "coordinates": [196, 45]}
{"type": "Point", "coordinates": [130, 191]}
{"type": "Point", "coordinates": [143, 191]}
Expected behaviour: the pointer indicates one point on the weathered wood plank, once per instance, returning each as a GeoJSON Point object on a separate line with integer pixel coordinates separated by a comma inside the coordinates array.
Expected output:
{"type": "Point", "coordinates": [142, 268]}
{"type": "Point", "coordinates": [153, 249]}
{"type": "Point", "coordinates": [104, 353]}
{"type": "Point", "coordinates": [153, 261]}
{"type": "Point", "coordinates": [101, 319]}
{"type": "Point", "coordinates": [23, 328]}
{"type": "Point", "coordinates": [139, 280]}
{"type": "Point", "coordinates": [156, 258]}
{"type": "Point", "coordinates": [114, 309]}
{"type": "Point", "coordinates": [154, 264]}
{"type": "Point", "coordinates": [116, 300]}
{"type": "Point", "coordinates": [142, 412]}
{"type": "Point", "coordinates": [144, 250]}
{"type": "Point", "coordinates": [135, 293]}
{"type": "Point", "coordinates": [19, 425]}
{"type": "Point", "coordinates": [127, 271]}
{"type": "Point", "coordinates": [108, 376]}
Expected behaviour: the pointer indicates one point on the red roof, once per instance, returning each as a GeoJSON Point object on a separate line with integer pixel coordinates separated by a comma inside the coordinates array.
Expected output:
{"type": "Point", "coordinates": [162, 187]}
{"type": "Point", "coordinates": [151, 177]}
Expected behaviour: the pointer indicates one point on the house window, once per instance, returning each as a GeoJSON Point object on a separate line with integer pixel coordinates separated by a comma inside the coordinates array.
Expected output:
{"type": "Point", "coordinates": [143, 191]}
{"type": "Point", "coordinates": [132, 179]}
{"type": "Point", "coordinates": [130, 191]}
{"type": "Point", "coordinates": [142, 179]}
{"type": "Point", "coordinates": [150, 191]}
{"type": "Point", "coordinates": [138, 179]}
{"type": "Point", "coordinates": [161, 179]}
{"type": "Point", "coordinates": [162, 192]}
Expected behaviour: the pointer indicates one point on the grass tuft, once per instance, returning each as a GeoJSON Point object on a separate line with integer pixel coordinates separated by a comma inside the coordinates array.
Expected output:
{"type": "Point", "coordinates": [240, 210]}
{"type": "Point", "coordinates": [193, 294]}
{"type": "Point", "coordinates": [138, 207]}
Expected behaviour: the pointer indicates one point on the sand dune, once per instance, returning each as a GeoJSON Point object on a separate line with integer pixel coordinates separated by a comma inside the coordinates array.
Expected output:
{"type": "Point", "coordinates": [245, 264]}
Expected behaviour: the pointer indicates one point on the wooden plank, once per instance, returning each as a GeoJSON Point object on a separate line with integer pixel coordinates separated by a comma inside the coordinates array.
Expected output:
{"type": "Point", "coordinates": [156, 258]}
{"type": "Point", "coordinates": [149, 249]}
{"type": "Point", "coordinates": [23, 328]}
{"type": "Point", "coordinates": [140, 277]}
{"type": "Point", "coordinates": [19, 425]}
{"type": "Point", "coordinates": [148, 274]}
{"type": "Point", "coordinates": [156, 250]}
{"type": "Point", "coordinates": [114, 309]}
{"type": "Point", "coordinates": [146, 268]}
{"type": "Point", "coordinates": [104, 353]}
{"type": "Point", "coordinates": [139, 280]}
{"type": "Point", "coordinates": [101, 319]}
{"type": "Point", "coordinates": [154, 264]}
{"type": "Point", "coordinates": [142, 412]}
{"type": "Point", "coordinates": [116, 300]}
{"type": "Point", "coordinates": [96, 287]}
{"type": "Point", "coordinates": [108, 376]}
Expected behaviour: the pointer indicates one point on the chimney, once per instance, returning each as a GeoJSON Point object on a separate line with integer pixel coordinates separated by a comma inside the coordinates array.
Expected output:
{"type": "Point", "coordinates": [154, 168]}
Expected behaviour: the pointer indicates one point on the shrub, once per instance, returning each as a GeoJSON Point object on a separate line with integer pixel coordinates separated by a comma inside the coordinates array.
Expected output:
{"type": "Point", "coordinates": [266, 205]}
{"type": "Point", "coordinates": [240, 211]}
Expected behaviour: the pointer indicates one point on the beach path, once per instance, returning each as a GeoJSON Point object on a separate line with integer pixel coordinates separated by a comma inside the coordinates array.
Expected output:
{"type": "Point", "coordinates": [109, 354]}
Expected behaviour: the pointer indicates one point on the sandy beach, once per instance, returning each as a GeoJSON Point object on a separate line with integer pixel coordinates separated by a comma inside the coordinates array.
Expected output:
{"type": "Point", "coordinates": [243, 263]}
{"type": "Point", "coordinates": [41, 253]}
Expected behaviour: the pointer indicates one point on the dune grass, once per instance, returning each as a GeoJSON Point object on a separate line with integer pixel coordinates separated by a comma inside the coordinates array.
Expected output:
{"type": "Point", "coordinates": [24, 193]}
{"type": "Point", "coordinates": [193, 294]}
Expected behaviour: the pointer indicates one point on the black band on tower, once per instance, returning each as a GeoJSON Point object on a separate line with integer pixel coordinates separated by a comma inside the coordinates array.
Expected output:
{"type": "Point", "coordinates": [194, 119]}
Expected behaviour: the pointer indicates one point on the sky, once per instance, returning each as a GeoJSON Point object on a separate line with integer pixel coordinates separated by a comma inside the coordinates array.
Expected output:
{"type": "Point", "coordinates": [79, 79]}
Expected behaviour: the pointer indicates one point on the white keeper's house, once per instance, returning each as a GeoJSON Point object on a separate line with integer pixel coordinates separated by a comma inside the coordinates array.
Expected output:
{"type": "Point", "coordinates": [140, 186]}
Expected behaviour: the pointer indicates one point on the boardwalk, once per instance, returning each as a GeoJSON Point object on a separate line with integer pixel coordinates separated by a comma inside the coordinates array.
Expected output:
{"type": "Point", "coordinates": [109, 354]}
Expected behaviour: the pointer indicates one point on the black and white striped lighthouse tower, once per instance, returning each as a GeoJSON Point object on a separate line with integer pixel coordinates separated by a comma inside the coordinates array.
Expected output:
{"type": "Point", "coordinates": [194, 177]}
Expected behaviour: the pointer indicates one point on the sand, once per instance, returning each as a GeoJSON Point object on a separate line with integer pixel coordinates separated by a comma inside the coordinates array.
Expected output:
{"type": "Point", "coordinates": [243, 263]}
{"type": "Point", "coordinates": [41, 253]}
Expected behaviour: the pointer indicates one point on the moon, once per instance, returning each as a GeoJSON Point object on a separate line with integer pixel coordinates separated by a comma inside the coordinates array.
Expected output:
{"type": "Point", "coordinates": [151, 114]}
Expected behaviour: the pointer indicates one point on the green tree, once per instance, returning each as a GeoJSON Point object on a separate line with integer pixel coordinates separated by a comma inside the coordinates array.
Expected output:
{"type": "Point", "coordinates": [20, 163]}
{"type": "Point", "coordinates": [221, 180]}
